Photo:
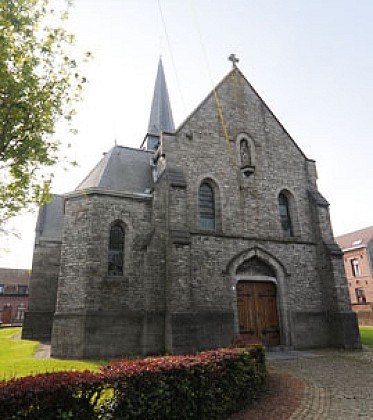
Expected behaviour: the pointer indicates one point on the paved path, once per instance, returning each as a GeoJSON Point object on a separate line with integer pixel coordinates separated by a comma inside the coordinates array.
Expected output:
{"type": "Point", "coordinates": [339, 385]}
{"type": "Point", "coordinates": [43, 351]}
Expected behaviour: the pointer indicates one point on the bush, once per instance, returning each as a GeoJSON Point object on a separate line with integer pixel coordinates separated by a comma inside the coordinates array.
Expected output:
{"type": "Point", "coordinates": [209, 385]}
{"type": "Point", "coordinates": [59, 395]}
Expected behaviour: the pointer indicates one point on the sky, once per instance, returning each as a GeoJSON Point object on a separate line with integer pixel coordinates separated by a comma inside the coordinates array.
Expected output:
{"type": "Point", "coordinates": [310, 61]}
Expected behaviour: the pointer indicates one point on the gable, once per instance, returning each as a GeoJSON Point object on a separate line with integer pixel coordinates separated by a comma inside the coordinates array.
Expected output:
{"type": "Point", "coordinates": [243, 110]}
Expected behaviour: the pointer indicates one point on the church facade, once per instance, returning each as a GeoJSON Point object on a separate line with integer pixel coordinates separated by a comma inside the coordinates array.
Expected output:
{"type": "Point", "coordinates": [216, 229]}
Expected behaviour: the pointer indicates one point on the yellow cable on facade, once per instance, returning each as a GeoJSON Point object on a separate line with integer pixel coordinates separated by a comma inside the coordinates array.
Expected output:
{"type": "Point", "coordinates": [221, 117]}
{"type": "Point", "coordinates": [220, 111]}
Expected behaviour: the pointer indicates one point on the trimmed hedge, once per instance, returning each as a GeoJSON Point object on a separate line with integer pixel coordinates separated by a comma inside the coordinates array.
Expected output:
{"type": "Point", "coordinates": [209, 385]}
{"type": "Point", "coordinates": [58, 395]}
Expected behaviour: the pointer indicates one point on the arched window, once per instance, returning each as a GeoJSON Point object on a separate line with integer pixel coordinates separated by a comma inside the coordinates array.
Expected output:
{"type": "Point", "coordinates": [116, 250]}
{"type": "Point", "coordinates": [206, 205]}
{"type": "Point", "coordinates": [285, 218]}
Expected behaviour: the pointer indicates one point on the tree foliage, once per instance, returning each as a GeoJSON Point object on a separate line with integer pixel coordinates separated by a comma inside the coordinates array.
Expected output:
{"type": "Point", "coordinates": [39, 85]}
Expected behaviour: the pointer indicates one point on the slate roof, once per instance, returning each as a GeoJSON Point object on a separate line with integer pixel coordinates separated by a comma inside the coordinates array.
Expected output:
{"type": "Point", "coordinates": [50, 219]}
{"type": "Point", "coordinates": [352, 239]}
{"type": "Point", "coordinates": [14, 276]}
{"type": "Point", "coordinates": [318, 197]}
{"type": "Point", "coordinates": [122, 169]}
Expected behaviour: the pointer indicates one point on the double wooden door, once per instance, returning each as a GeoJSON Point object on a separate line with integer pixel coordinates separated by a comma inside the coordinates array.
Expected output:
{"type": "Point", "coordinates": [257, 311]}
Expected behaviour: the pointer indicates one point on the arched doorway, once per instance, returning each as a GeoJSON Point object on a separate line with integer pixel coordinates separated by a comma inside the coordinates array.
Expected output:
{"type": "Point", "coordinates": [257, 313]}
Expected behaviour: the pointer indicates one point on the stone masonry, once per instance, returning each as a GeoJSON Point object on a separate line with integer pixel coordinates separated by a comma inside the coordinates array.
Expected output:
{"type": "Point", "coordinates": [177, 293]}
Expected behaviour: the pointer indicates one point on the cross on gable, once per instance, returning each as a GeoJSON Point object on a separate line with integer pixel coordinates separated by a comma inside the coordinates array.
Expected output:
{"type": "Point", "coordinates": [234, 59]}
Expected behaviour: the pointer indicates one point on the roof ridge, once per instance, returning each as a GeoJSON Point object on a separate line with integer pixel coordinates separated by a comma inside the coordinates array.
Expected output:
{"type": "Point", "coordinates": [105, 157]}
{"type": "Point", "coordinates": [137, 149]}
{"type": "Point", "coordinates": [355, 232]}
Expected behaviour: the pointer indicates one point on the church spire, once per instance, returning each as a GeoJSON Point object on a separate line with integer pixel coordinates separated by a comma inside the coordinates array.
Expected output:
{"type": "Point", "coordinates": [160, 114]}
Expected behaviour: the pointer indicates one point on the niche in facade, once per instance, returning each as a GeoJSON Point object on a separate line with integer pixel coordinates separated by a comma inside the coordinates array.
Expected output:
{"type": "Point", "coordinates": [246, 155]}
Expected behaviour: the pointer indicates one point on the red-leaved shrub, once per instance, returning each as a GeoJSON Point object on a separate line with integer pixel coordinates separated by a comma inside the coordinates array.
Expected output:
{"type": "Point", "coordinates": [209, 385]}
{"type": "Point", "coordinates": [51, 396]}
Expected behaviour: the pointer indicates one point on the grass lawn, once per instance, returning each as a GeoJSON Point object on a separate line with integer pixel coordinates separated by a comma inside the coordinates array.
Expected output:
{"type": "Point", "coordinates": [16, 358]}
{"type": "Point", "coordinates": [366, 335]}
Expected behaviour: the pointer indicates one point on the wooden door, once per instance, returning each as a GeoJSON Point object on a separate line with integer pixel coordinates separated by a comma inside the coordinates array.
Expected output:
{"type": "Point", "coordinates": [7, 315]}
{"type": "Point", "coordinates": [257, 311]}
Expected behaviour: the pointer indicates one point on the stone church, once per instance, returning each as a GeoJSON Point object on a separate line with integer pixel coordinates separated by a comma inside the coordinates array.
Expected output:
{"type": "Point", "coordinates": [208, 231]}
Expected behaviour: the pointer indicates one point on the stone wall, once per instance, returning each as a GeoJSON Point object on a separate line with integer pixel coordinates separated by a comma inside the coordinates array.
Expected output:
{"type": "Point", "coordinates": [177, 293]}
{"type": "Point", "coordinates": [313, 290]}
{"type": "Point", "coordinates": [364, 314]}
{"type": "Point", "coordinates": [43, 291]}
{"type": "Point", "coordinates": [45, 270]}
{"type": "Point", "coordinates": [114, 314]}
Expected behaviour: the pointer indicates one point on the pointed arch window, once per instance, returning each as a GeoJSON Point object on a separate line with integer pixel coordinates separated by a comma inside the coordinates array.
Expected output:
{"type": "Point", "coordinates": [116, 250]}
{"type": "Point", "coordinates": [285, 219]}
{"type": "Point", "coordinates": [206, 205]}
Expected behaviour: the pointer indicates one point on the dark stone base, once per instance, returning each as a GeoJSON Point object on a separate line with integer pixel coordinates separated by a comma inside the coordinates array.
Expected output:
{"type": "Point", "coordinates": [107, 335]}
{"type": "Point", "coordinates": [325, 329]}
{"type": "Point", "coordinates": [193, 332]}
{"type": "Point", "coordinates": [344, 330]}
{"type": "Point", "coordinates": [37, 326]}
{"type": "Point", "coordinates": [115, 334]}
{"type": "Point", "coordinates": [309, 330]}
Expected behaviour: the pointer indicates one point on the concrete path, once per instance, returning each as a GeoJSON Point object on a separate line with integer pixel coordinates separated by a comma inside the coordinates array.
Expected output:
{"type": "Point", "coordinates": [339, 384]}
{"type": "Point", "coordinates": [43, 351]}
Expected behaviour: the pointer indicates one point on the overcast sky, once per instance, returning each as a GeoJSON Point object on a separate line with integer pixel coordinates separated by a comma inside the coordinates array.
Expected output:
{"type": "Point", "coordinates": [311, 62]}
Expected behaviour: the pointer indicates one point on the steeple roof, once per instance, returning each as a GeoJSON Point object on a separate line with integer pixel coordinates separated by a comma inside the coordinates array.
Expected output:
{"type": "Point", "coordinates": [160, 115]}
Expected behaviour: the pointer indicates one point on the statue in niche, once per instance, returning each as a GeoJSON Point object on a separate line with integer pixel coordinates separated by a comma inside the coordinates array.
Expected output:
{"type": "Point", "coordinates": [245, 153]}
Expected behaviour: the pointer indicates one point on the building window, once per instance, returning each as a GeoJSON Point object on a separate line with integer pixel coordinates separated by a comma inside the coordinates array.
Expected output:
{"type": "Point", "coordinates": [206, 205]}
{"type": "Point", "coordinates": [355, 267]}
{"type": "Point", "coordinates": [116, 249]}
{"type": "Point", "coordinates": [285, 219]}
{"type": "Point", "coordinates": [360, 295]}
{"type": "Point", "coordinates": [20, 314]}
{"type": "Point", "coordinates": [1, 289]}
{"type": "Point", "coordinates": [22, 289]}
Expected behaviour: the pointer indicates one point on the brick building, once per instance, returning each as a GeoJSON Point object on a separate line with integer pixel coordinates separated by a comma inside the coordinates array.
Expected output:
{"type": "Point", "coordinates": [214, 229]}
{"type": "Point", "coordinates": [357, 248]}
{"type": "Point", "coordinates": [14, 291]}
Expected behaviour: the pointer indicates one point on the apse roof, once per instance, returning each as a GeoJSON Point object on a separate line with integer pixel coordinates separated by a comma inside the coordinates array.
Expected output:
{"type": "Point", "coordinates": [122, 169]}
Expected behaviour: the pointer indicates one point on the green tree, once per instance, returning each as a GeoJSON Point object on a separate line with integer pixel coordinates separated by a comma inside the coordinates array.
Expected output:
{"type": "Point", "coordinates": [39, 86]}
